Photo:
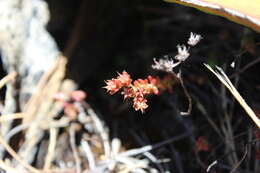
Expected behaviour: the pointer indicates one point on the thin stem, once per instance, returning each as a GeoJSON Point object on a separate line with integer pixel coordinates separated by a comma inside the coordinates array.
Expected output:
{"type": "Point", "coordinates": [74, 148]}
{"type": "Point", "coordinates": [185, 92]}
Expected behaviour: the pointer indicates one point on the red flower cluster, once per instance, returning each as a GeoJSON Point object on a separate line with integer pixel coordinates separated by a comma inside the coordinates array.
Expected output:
{"type": "Point", "coordinates": [201, 144]}
{"type": "Point", "coordinates": [114, 85]}
{"type": "Point", "coordinates": [138, 89]}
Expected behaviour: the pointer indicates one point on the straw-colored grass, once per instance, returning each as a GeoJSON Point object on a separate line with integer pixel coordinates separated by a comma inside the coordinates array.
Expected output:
{"type": "Point", "coordinates": [220, 74]}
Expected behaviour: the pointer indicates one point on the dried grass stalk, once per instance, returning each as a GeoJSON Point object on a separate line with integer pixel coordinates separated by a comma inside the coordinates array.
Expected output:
{"type": "Point", "coordinates": [220, 74]}
{"type": "Point", "coordinates": [7, 78]}
{"type": "Point", "coordinates": [17, 157]}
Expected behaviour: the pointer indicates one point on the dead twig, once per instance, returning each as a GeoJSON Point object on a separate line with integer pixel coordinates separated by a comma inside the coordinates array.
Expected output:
{"type": "Point", "coordinates": [16, 130]}
{"type": "Point", "coordinates": [14, 116]}
{"type": "Point", "coordinates": [7, 168]}
{"type": "Point", "coordinates": [17, 157]}
{"type": "Point", "coordinates": [74, 147]}
{"type": "Point", "coordinates": [7, 78]}
{"type": "Point", "coordinates": [252, 63]}
{"type": "Point", "coordinates": [51, 148]}
{"type": "Point", "coordinates": [152, 147]}
{"type": "Point", "coordinates": [187, 95]}
{"type": "Point", "coordinates": [89, 154]}
{"type": "Point", "coordinates": [100, 129]}
{"type": "Point", "coordinates": [220, 74]}
{"type": "Point", "coordinates": [30, 107]}
{"type": "Point", "coordinates": [239, 163]}
{"type": "Point", "coordinates": [39, 106]}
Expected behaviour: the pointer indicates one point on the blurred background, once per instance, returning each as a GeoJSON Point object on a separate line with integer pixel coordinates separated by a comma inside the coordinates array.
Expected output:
{"type": "Point", "coordinates": [102, 37]}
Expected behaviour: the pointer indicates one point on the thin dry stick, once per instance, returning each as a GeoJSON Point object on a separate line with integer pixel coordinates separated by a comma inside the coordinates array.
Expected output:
{"type": "Point", "coordinates": [35, 99]}
{"type": "Point", "coordinates": [188, 97]}
{"type": "Point", "coordinates": [16, 130]}
{"type": "Point", "coordinates": [147, 148]}
{"type": "Point", "coordinates": [245, 68]}
{"type": "Point", "coordinates": [7, 78]}
{"type": "Point", "coordinates": [74, 148]}
{"type": "Point", "coordinates": [185, 92]}
{"type": "Point", "coordinates": [7, 168]}
{"type": "Point", "coordinates": [51, 148]}
{"type": "Point", "coordinates": [103, 132]}
{"type": "Point", "coordinates": [239, 163]}
{"type": "Point", "coordinates": [211, 165]}
{"type": "Point", "coordinates": [149, 155]}
{"type": "Point", "coordinates": [211, 122]}
{"type": "Point", "coordinates": [89, 154]}
{"type": "Point", "coordinates": [17, 157]}
{"type": "Point", "coordinates": [38, 109]}
{"type": "Point", "coordinates": [225, 80]}
{"type": "Point", "coordinates": [9, 117]}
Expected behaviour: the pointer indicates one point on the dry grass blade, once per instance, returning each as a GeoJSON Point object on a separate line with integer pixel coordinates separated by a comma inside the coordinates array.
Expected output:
{"type": "Point", "coordinates": [100, 128]}
{"type": "Point", "coordinates": [220, 74]}
{"type": "Point", "coordinates": [89, 154]}
{"type": "Point", "coordinates": [17, 157]}
{"type": "Point", "coordinates": [6, 167]}
{"type": "Point", "coordinates": [76, 156]}
{"type": "Point", "coordinates": [39, 106]}
{"type": "Point", "coordinates": [51, 149]}
{"type": "Point", "coordinates": [9, 117]}
{"type": "Point", "coordinates": [53, 73]}
{"type": "Point", "coordinates": [7, 78]}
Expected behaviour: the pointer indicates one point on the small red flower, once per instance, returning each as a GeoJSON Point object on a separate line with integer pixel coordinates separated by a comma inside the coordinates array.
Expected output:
{"type": "Point", "coordinates": [146, 87]}
{"type": "Point", "coordinates": [124, 78]}
{"type": "Point", "coordinates": [113, 86]}
{"type": "Point", "coordinates": [140, 83]}
{"type": "Point", "coordinates": [140, 104]}
{"type": "Point", "coordinates": [202, 144]}
{"type": "Point", "coordinates": [128, 93]}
